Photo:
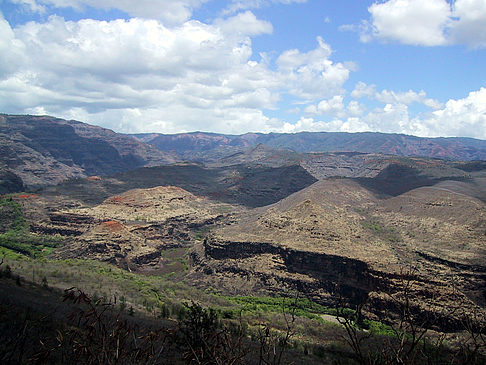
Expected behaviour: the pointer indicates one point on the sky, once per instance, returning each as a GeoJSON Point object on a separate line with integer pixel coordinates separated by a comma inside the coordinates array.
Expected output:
{"type": "Point", "coordinates": [169, 66]}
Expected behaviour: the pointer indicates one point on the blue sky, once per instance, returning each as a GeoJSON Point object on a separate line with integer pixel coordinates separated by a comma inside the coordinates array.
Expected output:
{"type": "Point", "coordinates": [399, 66]}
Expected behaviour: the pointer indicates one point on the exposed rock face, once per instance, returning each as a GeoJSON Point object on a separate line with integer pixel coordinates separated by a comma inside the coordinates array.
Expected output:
{"type": "Point", "coordinates": [10, 182]}
{"type": "Point", "coordinates": [64, 224]}
{"type": "Point", "coordinates": [113, 242]}
{"type": "Point", "coordinates": [45, 150]}
{"type": "Point", "coordinates": [250, 186]}
{"type": "Point", "coordinates": [336, 239]}
{"type": "Point", "coordinates": [156, 205]}
{"type": "Point", "coordinates": [325, 271]}
{"type": "Point", "coordinates": [132, 229]}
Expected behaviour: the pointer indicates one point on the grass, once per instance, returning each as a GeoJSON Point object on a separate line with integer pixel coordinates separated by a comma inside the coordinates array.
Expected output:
{"type": "Point", "coordinates": [301, 307]}
{"type": "Point", "coordinates": [27, 256]}
{"type": "Point", "coordinates": [201, 233]}
{"type": "Point", "coordinates": [389, 234]}
{"type": "Point", "coordinates": [163, 298]}
{"type": "Point", "coordinates": [16, 236]}
{"type": "Point", "coordinates": [144, 292]}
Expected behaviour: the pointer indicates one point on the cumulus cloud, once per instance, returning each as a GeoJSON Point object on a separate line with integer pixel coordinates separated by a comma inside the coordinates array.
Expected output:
{"type": "Point", "coordinates": [336, 108]}
{"type": "Point", "coordinates": [313, 75]}
{"type": "Point", "coordinates": [31, 5]}
{"type": "Point", "coordinates": [469, 28]}
{"type": "Point", "coordinates": [393, 97]}
{"type": "Point", "coordinates": [462, 117]}
{"type": "Point", "coordinates": [335, 125]}
{"type": "Point", "coordinates": [170, 11]}
{"type": "Point", "coordinates": [185, 77]}
{"type": "Point", "coordinates": [361, 89]}
{"type": "Point", "coordinates": [11, 50]}
{"type": "Point", "coordinates": [246, 23]}
{"type": "Point", "coordinates": [332, 106]}
{"type": "Point", "coordinates": [407, 98]}
{"type": "Point", "coordinates": [355, 109]}
{"type": "Point", "coordinates": [415, 22]}
{"type": "Point", "coordinates": [425, 23]}
{"type": "Point", "coordinates": [143, 75]}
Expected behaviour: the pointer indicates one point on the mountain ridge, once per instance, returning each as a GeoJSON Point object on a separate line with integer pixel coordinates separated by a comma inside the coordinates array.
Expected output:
{"type": "Point", "coordinates": [43, 150]}
{"type": "Point", "coordinates": [449, 148]}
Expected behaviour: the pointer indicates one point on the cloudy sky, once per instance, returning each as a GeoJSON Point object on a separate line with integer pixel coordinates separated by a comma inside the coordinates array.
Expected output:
{"type": "Point", "coordinates": [403, 66]}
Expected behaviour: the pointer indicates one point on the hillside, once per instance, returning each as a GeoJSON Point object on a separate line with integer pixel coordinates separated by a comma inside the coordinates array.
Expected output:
{"type": "Point", "coordinates": [46, 150]}
{"type": "Point", "coordinates": [336, 238]}
{"type": "Point", "coordinates": [251, 186]}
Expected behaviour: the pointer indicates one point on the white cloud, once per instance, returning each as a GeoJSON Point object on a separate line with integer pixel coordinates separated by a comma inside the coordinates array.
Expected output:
{"type": "Point", "coordinates": [361, 89]}
{"type": "Point", "coordinates": [392, 118]}
{"type": "Point", "coordinates": [142, 75]}
{"type": "Point", "coordinates": [313, 75]}
{"type": "Point", "coordinates": [11, 50]}
{"type": "Point", "coordinates": [335, 107]}
{"type": "Point", "coordinates": [355, 109]}
{"type": "Point", "coordinates": [238, 5]}
{"type": "Point", "coordinates": [332, 106]}
{"type": "Point", "coordinates": [425, 23]}
{"type": "Point", "coordinates": [462, 117]}
{"type": "Point", "coordinates": [407, 98]}
{"type": "Point", "coordinates": [392, 97]}
{"type": "Point", "coordinates": [415, 22]}
{"type": "Point", "coordinates": [471, 24]}
{"type": "Point", "coordinates": [170, 11]}
{"type": "Point", "coordinates": [186, 77]}
{"type": "Point", "coordinates": [335, 125]}
{"type": "Point", "coordinates": [31, 5]}
{"type": "Point", "coordinates": [246, 23]}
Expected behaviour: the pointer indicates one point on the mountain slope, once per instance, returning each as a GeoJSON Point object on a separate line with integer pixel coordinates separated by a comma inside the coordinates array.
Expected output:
{"type": "Point", "coordinates": [335, 238]}
{"type": "Point", "coordinates": [46, 150]}
{"type": "Point", "coordinates": [252, 186]}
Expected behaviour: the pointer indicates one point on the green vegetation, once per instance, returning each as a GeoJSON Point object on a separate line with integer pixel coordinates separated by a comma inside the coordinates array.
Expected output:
{"type": "Point", "coordinates": [389, 234]}
{"type": "Point", "coordinates": [15, 235]}
{"type": "Point", "coordinates": [250, 321]}
{"type": "Point", "coordinates": [300, 324]}
{"type": "Point", "coordinates": [144, 292]}
{"type": "Point", "coordinates": [11, 217]}
{"type": "Point", "coordinates": [302, 307]}
{"type": "Point", "coordinates": [200, 234]}
{"type": "Point", "coordinates": [374, 226]}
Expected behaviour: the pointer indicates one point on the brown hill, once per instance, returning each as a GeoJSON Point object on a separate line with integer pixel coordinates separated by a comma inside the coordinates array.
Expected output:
{"type": "Point", "coordinates": [132, 229]}
{"type": "Point", "coordinates": [337, 238]}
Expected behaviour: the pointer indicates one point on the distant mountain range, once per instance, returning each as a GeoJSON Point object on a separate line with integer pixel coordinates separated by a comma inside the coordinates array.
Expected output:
{"type": "Point", "coordinates": [197, 145]}
{"type": "Point", "coordinates": [41, 150]}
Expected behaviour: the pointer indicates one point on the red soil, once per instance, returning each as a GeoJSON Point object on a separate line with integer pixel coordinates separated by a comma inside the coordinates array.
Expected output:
{"type": "Point", "coordinates": [113, 226]}
{"type": "Point", "coordinates": [27, 196]}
